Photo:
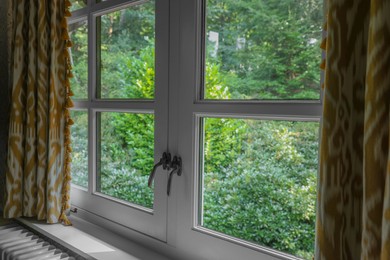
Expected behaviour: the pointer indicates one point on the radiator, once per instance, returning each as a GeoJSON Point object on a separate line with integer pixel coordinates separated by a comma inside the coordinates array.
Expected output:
{"type": "Point", "coordinates": [19, 243]}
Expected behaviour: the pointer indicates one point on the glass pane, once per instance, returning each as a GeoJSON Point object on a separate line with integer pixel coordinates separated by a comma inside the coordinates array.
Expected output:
{"type": "Point", "coordinates": [259, 182]}
{"type": "Point", "coordinates": [77, 4]}
{"type": "Point", "coordinates": [127, 52]}
{"type": "Point", "coordinates": [126, 156]}
{"type": "Point", "coordinates": [262, 49]}
{"type": "Point", "coordinates": [79, 59]}
{"type": "Point", "coordinates": [79, 132]}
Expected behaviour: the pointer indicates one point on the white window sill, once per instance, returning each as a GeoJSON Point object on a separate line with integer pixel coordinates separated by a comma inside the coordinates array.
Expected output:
{"type": "Point", "coordinates": [98, 245]}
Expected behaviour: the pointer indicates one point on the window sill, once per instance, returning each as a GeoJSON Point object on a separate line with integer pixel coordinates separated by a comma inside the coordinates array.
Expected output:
{"type": "Point", "coordinates": [97, 243]}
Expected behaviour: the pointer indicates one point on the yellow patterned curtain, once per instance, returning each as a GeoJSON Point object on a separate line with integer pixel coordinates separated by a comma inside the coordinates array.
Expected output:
{"type": "Point", "coordinates": [354, 184]}
{"type": "Point", "coordinates": [37, 177]}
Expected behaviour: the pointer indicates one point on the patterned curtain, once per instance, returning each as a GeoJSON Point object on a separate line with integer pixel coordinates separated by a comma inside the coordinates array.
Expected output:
{"type": "Point", "coordinates": [37, 176]}
{"type": "Point", "coordinates": [354, 184]}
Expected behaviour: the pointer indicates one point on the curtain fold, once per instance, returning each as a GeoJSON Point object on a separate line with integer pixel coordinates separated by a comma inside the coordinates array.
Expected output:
{"type": "Point", "coordinates": [353, 218]}
{"type": "Point", "coordinates": [38, 174]}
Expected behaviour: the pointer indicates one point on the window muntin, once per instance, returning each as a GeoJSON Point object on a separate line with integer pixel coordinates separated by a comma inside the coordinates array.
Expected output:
{"type": "Point", "coordinates": [262, 50]}
{"type": "Point", "coordinates": [125, 156]}
{"type": "Point", "coordinates": [126, 50]}
{"type": "Point", "coordinates": [258, 181]}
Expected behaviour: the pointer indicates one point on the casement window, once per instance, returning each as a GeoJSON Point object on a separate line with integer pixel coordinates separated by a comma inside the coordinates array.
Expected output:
{"type": "Point", "coordinates": [232, 88]}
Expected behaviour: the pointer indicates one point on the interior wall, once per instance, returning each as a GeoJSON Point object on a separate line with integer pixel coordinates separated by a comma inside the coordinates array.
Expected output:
{"type": "Point", "coordinates": [4, 92]}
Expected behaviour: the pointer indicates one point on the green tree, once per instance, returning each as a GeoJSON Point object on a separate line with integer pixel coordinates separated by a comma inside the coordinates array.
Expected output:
{"type": "Point", "coordinates": [124, 35]}
{"type": "Point", "coordinates": [277, 57]}
{"type": "Point", "coordinates": [79, 148]}
{"type": "Point", "coordinates": [79, 59]}
{"type": "Point", "coordinates": [136, 131]}
{"type": "Point", "coordinates": [222, 140]}
{"type": "Point", "coordinates": [130, 137]}
{"type": "Point", "coordinates": [267, 193]}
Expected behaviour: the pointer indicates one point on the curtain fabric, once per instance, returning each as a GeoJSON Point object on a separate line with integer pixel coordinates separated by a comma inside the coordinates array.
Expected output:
{"type": "Point", "coordinates": [37, 176]}
{"type": "Point", "coordinates": [353, 218]}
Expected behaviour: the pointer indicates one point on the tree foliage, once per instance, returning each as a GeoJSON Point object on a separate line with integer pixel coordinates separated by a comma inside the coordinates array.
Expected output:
{"type": "Point", "coordinates": [267, 49]}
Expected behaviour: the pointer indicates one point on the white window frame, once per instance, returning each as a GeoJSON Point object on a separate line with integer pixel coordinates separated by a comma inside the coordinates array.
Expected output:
{"type": "Point", "coordinates": [182, 71]}
{"type": "Point", "coordinates": [151, 222]}
{"type": "Point", "coordinates": [211, 244]}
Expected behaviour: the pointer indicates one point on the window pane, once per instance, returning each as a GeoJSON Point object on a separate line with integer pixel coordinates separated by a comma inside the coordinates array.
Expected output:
{"type": "Point", "coordinates": [259, 49]}
{"type": "Point", "coordinates": [126, 147]}
{"type": "Point", "coordinates": [127, 52]}
{"type": "Point", "coordinates": [79, 59]}
{"type": "Point", "coordinates": [259, 181]}
{"type": "Point", "coordinates": [79, 132]}
{"type": "Point", "coordinates": [77, 4]}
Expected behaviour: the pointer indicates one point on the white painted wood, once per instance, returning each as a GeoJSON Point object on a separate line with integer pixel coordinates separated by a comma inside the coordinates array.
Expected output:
{"type": "Point", "coordinates": [190, 236]}
{"type": "Point", "coordinates": [151, 222]}
{"type": "Point", "coordinates": [178, 107]}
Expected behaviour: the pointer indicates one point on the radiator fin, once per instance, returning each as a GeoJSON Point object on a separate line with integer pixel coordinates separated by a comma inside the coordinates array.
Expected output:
{"type": "Point", "coordinates": [18, 243]}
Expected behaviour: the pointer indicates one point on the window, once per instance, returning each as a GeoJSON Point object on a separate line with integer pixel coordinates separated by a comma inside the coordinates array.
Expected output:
{"type": "Point", "coordinates": [257, 181]}
{"type": "Point", "coordinates": [118, 111]}
{"type": "Point", "coordinates": [233, 88]}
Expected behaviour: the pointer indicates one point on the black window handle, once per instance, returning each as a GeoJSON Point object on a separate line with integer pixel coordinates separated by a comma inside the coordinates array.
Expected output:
{"type": "Point", "coordinates": [165, 162]}
{"type": "Point", "coordinates": [168, 164]}
{"type": "Point", "coordinates": [177, 167]}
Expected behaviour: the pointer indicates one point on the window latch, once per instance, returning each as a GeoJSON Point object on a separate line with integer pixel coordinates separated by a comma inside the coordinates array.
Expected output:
{"type": "Point", "coordinates": [165, 162]}
{"type": "Point", "coordinates": [174, 166]}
